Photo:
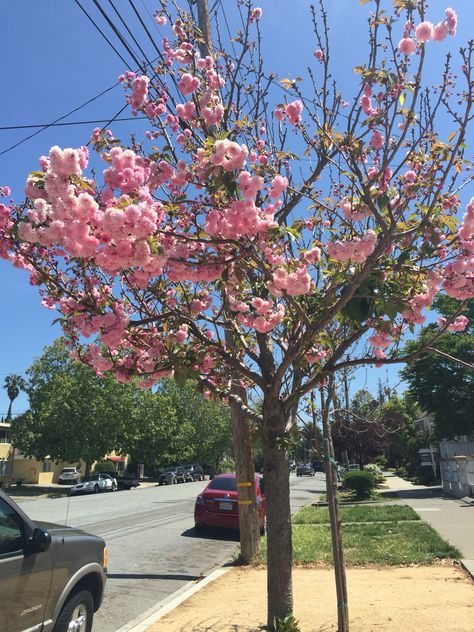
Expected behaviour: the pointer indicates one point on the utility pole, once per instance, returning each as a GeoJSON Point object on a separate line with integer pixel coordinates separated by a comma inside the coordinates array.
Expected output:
{"type": "Point", "coordinates": [241, 434]}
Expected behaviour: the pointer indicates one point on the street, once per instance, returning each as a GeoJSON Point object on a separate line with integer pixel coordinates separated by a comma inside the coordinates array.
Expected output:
{"type": "Point", "coordinates": [153, 550]}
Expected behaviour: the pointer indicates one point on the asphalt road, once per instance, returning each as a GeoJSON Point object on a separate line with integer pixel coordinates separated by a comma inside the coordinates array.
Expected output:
{"type": "Point", "coordinates": [153, 550]}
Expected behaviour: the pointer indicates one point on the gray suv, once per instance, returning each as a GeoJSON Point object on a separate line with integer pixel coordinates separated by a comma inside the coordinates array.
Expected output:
{"type": "Point", "coordinates": [52, 578]}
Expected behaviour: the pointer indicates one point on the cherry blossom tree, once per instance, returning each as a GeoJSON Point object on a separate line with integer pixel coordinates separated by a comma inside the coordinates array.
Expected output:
{"type": "Point", "coordinates": [312, 227]}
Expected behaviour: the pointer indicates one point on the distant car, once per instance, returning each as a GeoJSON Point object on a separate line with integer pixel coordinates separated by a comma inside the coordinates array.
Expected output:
{"type": "Point", "coordinates": [124, 481]}
{"type": "Point", "coordinates": [52, 577]}
{"type": "Point", "coordinates": [94, 484]}
{"type": "Point", "coordinates": [195, 471]}
{"type": "Point", "coordinates": [217, 505]}
{"type": "Point", "coordinates": [318, 466]}
{"type": "Point", "coordinates": [172, 475]}
{"type": "Point", "coordinates": [69, 476]}
{"type": "Point", "coordinates": [304, 469]}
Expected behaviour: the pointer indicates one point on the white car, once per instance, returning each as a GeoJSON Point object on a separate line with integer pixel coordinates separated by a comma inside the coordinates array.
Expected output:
{"type": "Point", "coordinates": [69, 476]}
{"type": "Point", "coordinates": [94, 484]}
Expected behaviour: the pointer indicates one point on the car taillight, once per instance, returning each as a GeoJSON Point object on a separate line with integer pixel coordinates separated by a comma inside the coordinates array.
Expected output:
{"type": "Point", "coordinates": [200, 500]}
{"type": "Point", "coordinates": [106, 558]}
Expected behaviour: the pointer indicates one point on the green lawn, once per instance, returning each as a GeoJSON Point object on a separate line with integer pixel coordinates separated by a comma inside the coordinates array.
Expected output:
{"type": "Point", "coordinates": [358, 513]}
{"type": "Point", "coordinates": [395, 544]}
{"type": "Point", "coordinates": [388, 535]}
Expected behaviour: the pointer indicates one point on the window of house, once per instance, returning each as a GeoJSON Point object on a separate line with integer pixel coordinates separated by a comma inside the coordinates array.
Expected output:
{"type": "Point", "coordinates": [47, 466]}
{"type": "Point", "coordinates": [4, 435]}
{"type": "Point", "coordinates": [4, 467]}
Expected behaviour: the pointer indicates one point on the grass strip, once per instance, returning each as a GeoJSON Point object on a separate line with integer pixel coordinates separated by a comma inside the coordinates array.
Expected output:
{"type": "Point", "coordinates": [359, 513]}
{"type": "Point", "coordinates": [398, 544]}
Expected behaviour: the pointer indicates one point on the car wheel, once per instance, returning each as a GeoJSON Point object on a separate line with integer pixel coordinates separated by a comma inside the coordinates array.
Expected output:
{"type": "Point", "coordinates": [96, 489]}
{"type": "Point", "coordinates": [114, 487]}
{"type": "Point", "coordinates": [77, 613]}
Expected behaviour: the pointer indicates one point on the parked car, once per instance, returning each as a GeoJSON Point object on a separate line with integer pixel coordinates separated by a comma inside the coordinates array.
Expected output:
{"type": "Point", "coordinates": [94, 484]}
{"type": "Point", "coordinates": [172, 475]}
{"type": "Point", "coordinates": [52, 578]}
{"type": "Point", "coordinates": [69, 476]}
{"type": "Point", "coordinates": [196, 472]}
{"type": "Point", "coordinates": [124, 481]}
{"type": "Point", "coordinates": [304, 469]}
{"type": "Point", "coordinates": [318, 466]}
{"type": "Point", "coordinates": [217, 505]}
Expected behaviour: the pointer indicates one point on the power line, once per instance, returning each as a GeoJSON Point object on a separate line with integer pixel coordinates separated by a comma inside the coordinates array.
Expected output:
{"type": "Point", "coordinates": [45, 125]}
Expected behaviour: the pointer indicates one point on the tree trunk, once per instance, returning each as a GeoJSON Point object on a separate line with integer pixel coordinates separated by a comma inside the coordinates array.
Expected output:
{"type": "Point", "coordinates": [9, 412]}
{"type": "Point", "coordinates": [88, 468]}
{"type": "Point", "coordinates": [277, 492]}
{"type": "Point", "coordinates": [245, 473]}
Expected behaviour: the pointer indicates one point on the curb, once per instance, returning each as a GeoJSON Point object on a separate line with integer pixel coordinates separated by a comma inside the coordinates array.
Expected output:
{"type": "Point", "coordinates": [163, 607]}
{"type": "Point", "coordinates": [468, 566]}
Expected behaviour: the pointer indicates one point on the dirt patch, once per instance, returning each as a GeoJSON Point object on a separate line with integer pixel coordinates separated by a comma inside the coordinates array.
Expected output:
{"type": "Point", "coordinates": [434, 598]}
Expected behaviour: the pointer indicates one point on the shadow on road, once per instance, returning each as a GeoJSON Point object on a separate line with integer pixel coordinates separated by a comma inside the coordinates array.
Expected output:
{"type": "Point", "coordinates": [189, 578]}
{"type": "Point", "coordinates": [212, 534]}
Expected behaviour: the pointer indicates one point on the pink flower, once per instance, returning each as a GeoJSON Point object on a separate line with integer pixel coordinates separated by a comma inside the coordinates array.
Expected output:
{"type": "Point", "coordinates": [293, 111]}
{"type": "Point", "coordinates": [377, 141]}
{"type": "Point", "coordinates": [460, 324]}
{"type": "Point", "coordinates": [255, 15]}
{"type": "Point", "coordinates": [160, 19]}
{"type": "Point", "coordinates": [440, 32]}
{"type": "Point", "coordinates": [319, 54]}
{"type": "Point", "coordinates": [279, 184]}
{"type": "Point", "coordinates": [407, 46]}
{"type": "Point", "coordinates": [452, 20]}
{"type": "Point", "coordinates": [188, 84]}
{"type": "Point", "coordinates": [424, 32]}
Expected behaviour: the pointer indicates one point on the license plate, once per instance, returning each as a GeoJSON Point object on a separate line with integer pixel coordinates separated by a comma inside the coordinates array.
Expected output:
{"type": "Point", "coordinates": [226, 506]}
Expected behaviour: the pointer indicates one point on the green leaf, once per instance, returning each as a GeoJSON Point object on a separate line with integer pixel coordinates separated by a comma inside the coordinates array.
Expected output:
{"type": "Point", "coordinates": [401, 98]}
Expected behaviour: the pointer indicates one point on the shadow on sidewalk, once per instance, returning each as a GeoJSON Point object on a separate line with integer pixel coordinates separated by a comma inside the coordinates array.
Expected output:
{"type": "Point", "coordinates": [416, 494]}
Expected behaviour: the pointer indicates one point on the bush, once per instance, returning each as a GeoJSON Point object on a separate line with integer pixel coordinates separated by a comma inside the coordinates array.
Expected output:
{"type": "Point", "coordinates": [381, 461]}
{"type": "Point", "coordinates": [104, 466]}
{"type": "Point", "coordinates": [360, 481]}
{"type": "Point", "coordinates": [376, 471]}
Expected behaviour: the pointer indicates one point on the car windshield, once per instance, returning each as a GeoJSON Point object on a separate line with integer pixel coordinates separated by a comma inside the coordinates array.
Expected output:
{"type": "Point", "coordinates": [68, 470]}
{"type": "Point", "coordinates": [226, 483]}
{"type": "Point", "coordinates": [171, 469]}
{"type": "Point", "coordinates": [87, 479]}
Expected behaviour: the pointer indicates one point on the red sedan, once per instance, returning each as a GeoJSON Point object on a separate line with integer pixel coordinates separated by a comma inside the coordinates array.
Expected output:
{"type": "Point", "coordinates": [217, 505]}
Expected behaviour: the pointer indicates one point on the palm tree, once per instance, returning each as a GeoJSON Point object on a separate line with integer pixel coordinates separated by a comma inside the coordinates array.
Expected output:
{"type": "Point", "coordinates": [14, 384]}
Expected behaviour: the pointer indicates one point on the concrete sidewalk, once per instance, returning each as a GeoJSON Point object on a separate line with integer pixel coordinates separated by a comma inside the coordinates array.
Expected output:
{"type": "Point", "coordinates": [452, 518]}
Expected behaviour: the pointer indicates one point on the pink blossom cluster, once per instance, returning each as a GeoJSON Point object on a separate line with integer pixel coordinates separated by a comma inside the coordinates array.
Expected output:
{"type": "Point", "coordinates": [188, 84]}
{"type": "Point", "coordinates": [357, 249]}
{"type": "Point", "coordinates": [377, 139]}
{"type": "Point", "coordinates": [127, 172]}
{"type": "Point", "coordinates": [279, 185]}
{"type": "Point", "coordinates": [466, 231]}
{"type": "Point", "coordinates": [459, 278]}
{"type": "Point", "coordinates": [292, 111]}
{"type": "Point", "coordinates": [241, 218]}
{"type": "Point", "coordinates": [229, 155]}
{"type": "Point", "coordinates": [293, 283]}
{"type": "Point", "coordinates": [459, 324]}
{"type": "Point", "coordinates": [380, 340]}
{"type": "Point", "coordinates": [266, 319]}
{"type": "Point", "coordinates": [425, 31]}
{"type": "Point", "coordinates": [422, 300]}
{"type": "Point", "coordinates": [249, 185]}
{"type": "Point", "coordinates": [354, 210]}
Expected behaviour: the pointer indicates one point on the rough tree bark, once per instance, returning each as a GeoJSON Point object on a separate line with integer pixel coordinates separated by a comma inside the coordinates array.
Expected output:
{"type": "Point", "coordinates": [277, 487]}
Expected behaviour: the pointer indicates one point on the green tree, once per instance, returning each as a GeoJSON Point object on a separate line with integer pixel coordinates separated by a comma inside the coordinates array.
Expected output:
{"type": "Point", "coordinates": [74, 415]}
{"type": "Point", "coordinates": [13, 384]}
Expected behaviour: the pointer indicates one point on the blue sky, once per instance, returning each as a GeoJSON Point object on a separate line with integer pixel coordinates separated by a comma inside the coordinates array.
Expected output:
{"type": "Point", "coordinates": [52, 60]}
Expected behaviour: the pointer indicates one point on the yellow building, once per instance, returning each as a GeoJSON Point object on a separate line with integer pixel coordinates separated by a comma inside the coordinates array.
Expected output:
{"type": "Point", "coordinates": [15, 466]}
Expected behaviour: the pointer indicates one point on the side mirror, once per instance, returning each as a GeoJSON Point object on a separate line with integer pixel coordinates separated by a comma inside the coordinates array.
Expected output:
{"type": "Point", "coordinates": [39, 542]}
